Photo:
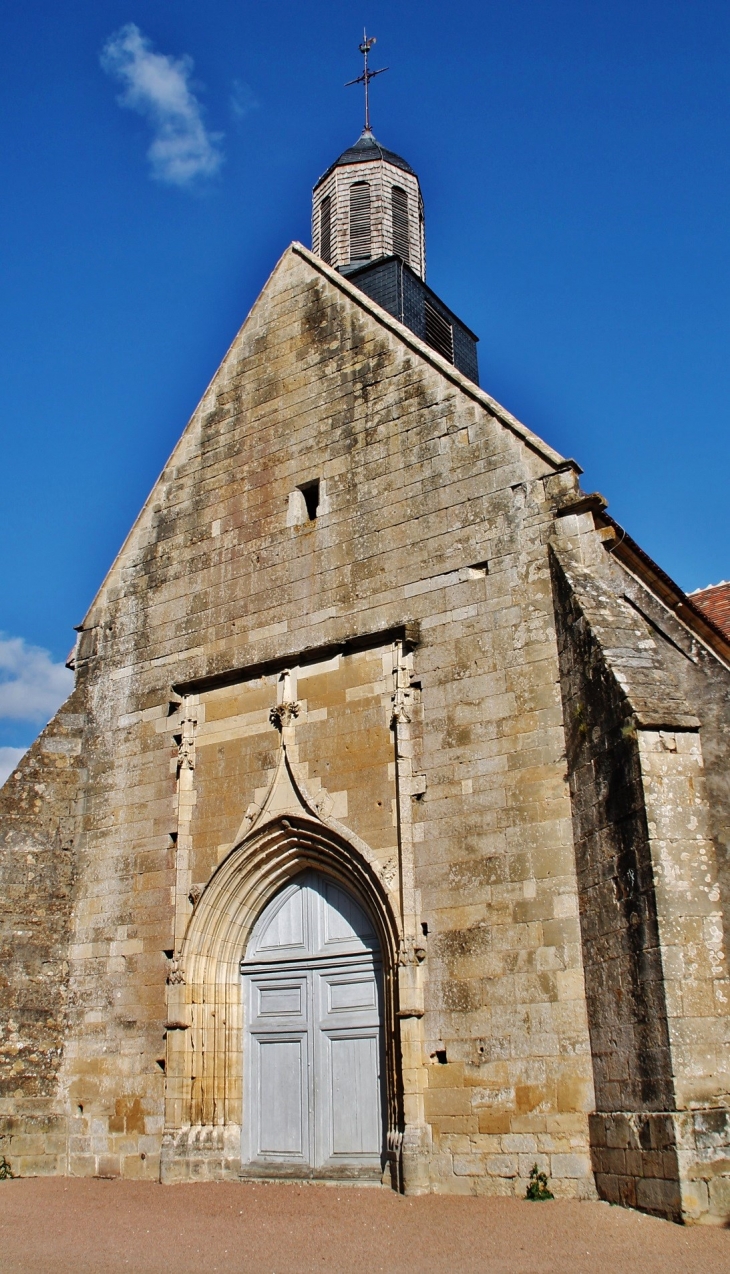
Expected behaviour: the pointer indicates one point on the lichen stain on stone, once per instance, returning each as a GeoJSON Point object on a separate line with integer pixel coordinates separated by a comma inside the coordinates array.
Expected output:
{"type": "Point", "coordinates": [128, 1116]}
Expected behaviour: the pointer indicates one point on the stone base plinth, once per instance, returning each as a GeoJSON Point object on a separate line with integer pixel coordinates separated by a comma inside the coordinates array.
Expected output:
{"type": "Point", "coordinates": [672, 1164]}
{"type": "Point", "coordinates": [34, 1143]}
{"type": "Point", "coordinates": [201, 1153]}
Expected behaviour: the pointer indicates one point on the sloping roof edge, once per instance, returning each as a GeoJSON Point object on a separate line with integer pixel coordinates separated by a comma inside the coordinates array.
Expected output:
{"type": "Point", "coordinates": [171, 458]}
{"type": "Point", "coordinates": [403, 333]}
{"type": "Point", "coordinates": [638, 561]}
{"type": "Point", "coordinates": [532, 440]}
{"type": "Point", "coordinates": [653, 694]}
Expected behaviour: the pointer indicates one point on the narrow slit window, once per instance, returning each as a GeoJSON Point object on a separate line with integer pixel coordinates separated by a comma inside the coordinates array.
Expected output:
{"type": "Point", "coordinates": [325, 229]}
{"type": "Point", "coordinates": [399, 210]}
{"type": "Point", "coordinates": [310, 491]}
{"type": "Point", "coordinates": [360, 234]}
{"type": "Point", "coordinates": [439, 333]}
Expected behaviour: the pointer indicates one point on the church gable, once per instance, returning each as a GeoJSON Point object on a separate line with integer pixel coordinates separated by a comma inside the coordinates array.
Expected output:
{"type": "Point", "coordinates": [313, 391]}
{"type": "Point", "coordinates": [370, 662]}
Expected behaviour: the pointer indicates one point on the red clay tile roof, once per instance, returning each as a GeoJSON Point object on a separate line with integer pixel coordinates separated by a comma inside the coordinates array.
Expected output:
{"type": "Point", "coordinates": [714, 601]}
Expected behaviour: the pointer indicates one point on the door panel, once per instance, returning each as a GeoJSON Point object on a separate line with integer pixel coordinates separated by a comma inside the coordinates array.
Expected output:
{"type": "Point", "coordinates": [313, 1035]}
{"type": "Point", "coordinates": [349, 1120]}
{"type": "Point", "coordinates": [282, 1097]}
{"type": "Point", "coordinates": [280, 1001]}
{"type": "Point", "coordinates": [348, 996]}
{"type": "Point", "coordinates": [312, 916]}
{"type": "Point", "coordinates": [287, 926]}
{"type": "Point", "coordinates": [341, 920]}
{"type": "Point", "coordinates": [355, 993]}
{"type": "Point", "coordinates": [354, 1093]}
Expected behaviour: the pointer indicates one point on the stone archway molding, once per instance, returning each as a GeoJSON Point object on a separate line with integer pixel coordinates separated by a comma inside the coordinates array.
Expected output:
{"type": "Point", "coordinates": [284, 836]}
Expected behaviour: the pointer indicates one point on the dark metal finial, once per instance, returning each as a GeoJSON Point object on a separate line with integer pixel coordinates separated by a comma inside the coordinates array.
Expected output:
{"type": "Point", "coordinates": [367, 75]}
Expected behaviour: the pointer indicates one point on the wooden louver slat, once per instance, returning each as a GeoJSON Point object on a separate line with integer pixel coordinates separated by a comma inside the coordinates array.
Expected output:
{"type": "Point", "coordinates": [439, 332]}
{"type": "Point", "coordinates": [325, 229]}
{"type": "Point", "coordinates": [360, 233]}
{"type": "Point", "coordinates": [399, 209]}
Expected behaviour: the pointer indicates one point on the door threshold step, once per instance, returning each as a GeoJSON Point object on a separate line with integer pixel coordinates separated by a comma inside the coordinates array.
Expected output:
{"type": "Point", "coordinates": [369, 1180]}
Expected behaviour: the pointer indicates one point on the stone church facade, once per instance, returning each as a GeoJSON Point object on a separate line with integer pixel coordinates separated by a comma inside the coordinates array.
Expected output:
{"type": "Point", "coordinates": [385, 835]}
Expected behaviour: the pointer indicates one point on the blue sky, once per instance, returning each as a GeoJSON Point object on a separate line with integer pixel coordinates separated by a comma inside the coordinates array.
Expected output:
{"type": "Point", "coordinates": [574, 161]}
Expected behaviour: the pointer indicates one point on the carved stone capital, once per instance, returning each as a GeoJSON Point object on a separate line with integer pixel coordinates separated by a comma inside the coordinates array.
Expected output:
{"type": "Point", "coordinates": [283, 714]}
{"type": "Point", "coordinates": [176, 975]}
{"type": "Point", "coordinates": [401, 704]}
{"type": "Point", "coordinates": [412, 952]}
{"type": "Point", "coordinates": [186, 745]}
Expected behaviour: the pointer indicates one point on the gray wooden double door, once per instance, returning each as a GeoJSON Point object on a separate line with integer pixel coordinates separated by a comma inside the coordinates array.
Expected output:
{"type": "Point", "coordinates": [313, 1038]}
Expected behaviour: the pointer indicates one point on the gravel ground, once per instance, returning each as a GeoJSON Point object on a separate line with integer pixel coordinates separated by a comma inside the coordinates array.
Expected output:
{"type": "Point", "coordinates": [72, 1226]}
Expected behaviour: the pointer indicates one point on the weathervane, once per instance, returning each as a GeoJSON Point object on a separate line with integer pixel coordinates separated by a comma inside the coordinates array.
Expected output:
{"type": "Point", "coordinates": [367, 75]}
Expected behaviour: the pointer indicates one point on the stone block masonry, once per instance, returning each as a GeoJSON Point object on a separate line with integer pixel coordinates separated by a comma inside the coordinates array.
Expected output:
{"type": "Point", "coordinates": [432, 690]}
{"type": "Point", "coordinates": [650, 899]}
{"type": "Point", "coordinates": [40, 808]}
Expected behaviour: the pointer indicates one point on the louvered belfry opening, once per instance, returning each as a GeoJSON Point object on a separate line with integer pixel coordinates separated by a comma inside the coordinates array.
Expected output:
{"type": "Point", "coordinates": [439, 332]}
{"type": "Point", "coordinates": [367, 223]}
{"type": "Point", "coordinates": [325, 229]}
{"type": "Point", "coordinates": [399, 209]}
{"type": "Point", "coordinates": [367, 206]}
{"type": "Point", "coordinates": [360, 229]}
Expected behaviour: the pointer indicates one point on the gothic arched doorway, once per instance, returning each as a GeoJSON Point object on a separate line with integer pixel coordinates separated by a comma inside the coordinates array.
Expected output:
{"type": "Point", "coordinates": [313, 1036]}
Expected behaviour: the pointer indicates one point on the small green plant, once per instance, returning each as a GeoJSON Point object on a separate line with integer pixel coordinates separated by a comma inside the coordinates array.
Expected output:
{"type": "Point", "coordinates": [5, 1169]}
{"type": "Point", "coordinates": [537, 1190]}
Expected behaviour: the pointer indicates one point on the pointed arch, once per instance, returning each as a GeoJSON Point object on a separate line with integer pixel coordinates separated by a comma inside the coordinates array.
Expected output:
{"type": "Point", "coordinates": [205, 1048]}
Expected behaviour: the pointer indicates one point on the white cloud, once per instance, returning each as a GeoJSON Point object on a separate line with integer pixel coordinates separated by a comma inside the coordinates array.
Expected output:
{"type": "Point", "coordinates": [9, 758]}
{"type": "Point", "coordinates": [158, 87]}
{"type": "Point", "coordinates": [243, 100]}
{"type": "Point", "coordinates": [32, 687]}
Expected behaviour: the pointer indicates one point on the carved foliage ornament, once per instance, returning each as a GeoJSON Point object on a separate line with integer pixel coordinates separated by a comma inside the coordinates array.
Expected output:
{"type": "Point", "coordinates": [412, 951]}
{"type": "Point", "coordinates": [186, 746]}
{"type": "Point", "coordinates": [402, 697]}
{"type": "Point", "coordinates": [283, 714]}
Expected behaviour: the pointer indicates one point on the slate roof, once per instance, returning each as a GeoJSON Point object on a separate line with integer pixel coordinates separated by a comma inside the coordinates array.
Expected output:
{"type": "Point", "coordinates": [367, 148]}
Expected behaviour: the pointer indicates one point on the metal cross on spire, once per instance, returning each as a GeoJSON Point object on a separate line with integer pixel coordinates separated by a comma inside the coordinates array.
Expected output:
{"type": "Point", "coordinates": [367, 75]}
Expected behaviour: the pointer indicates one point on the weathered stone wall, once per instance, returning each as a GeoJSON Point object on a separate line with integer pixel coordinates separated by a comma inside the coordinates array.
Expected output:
{"type": "Point", "coordinates": [694, 958]}
{"type": "Point", "coordinates": [621, 952]}
{"type": "Point", "coordinates": [705, 681]}
{"type": "Point", "coordinates": [495, 865]}
{"type": "Point", "coordinates": [343, 741]}
{"type": "Point", "coordinates": [431, 510]}
{"type": "Point", "coordinates": [644, 849]}
{"type": "Point", "coordinates": [412, 624]}
{"type": "Point", "coordinates": [39, 817]}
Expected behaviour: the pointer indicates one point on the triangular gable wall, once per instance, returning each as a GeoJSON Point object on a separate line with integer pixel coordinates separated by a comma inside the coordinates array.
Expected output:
{"type": "Point", "coordinates": [190, 439]}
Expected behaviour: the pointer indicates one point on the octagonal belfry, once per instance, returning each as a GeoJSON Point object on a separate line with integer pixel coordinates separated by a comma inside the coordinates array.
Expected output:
{"type": "Point", "coordinates": [367, 205]}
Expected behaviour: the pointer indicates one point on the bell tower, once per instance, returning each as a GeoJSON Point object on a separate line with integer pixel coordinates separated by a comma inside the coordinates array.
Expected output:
{"type": "Point", "coordinates": [367, 223]}
{"type": "Point", "coordinates": [368, 205]}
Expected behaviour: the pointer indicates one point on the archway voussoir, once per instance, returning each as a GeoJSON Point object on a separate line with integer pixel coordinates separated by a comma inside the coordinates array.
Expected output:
{"type": "Point", "coordinates": [209, 1065]}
